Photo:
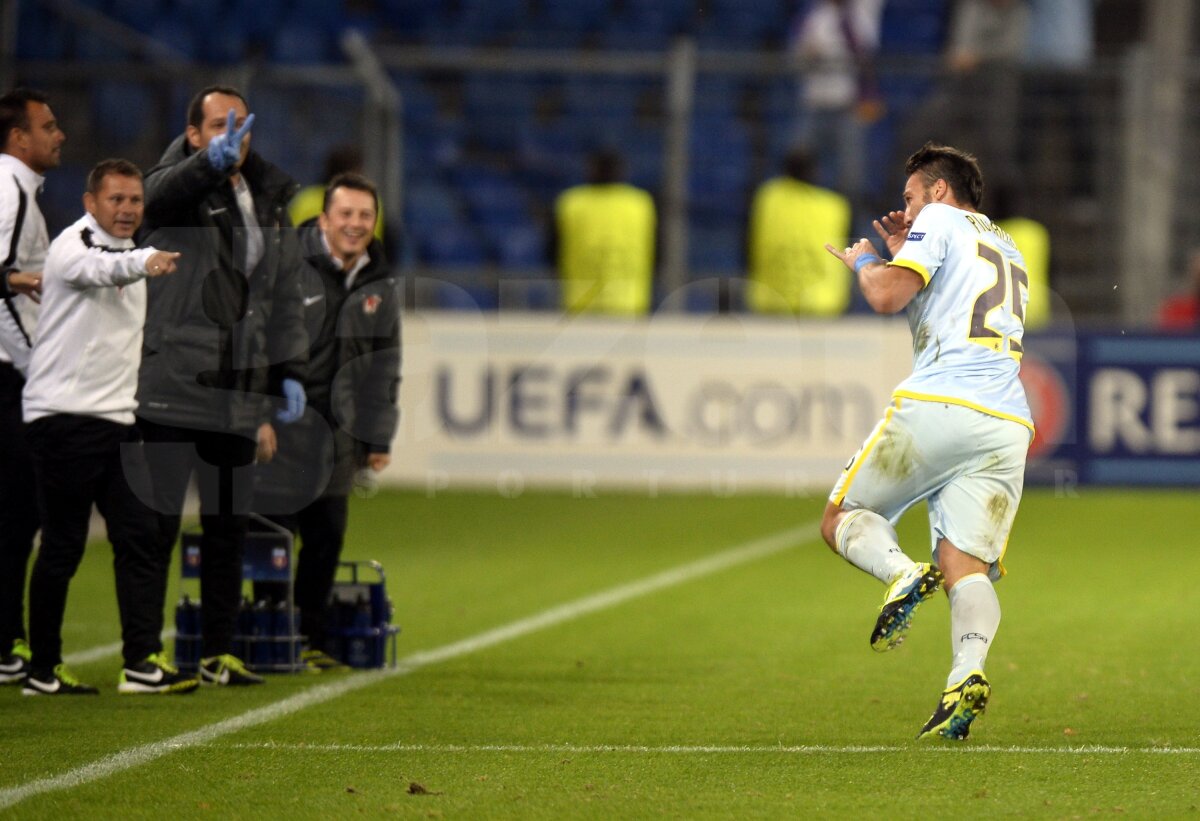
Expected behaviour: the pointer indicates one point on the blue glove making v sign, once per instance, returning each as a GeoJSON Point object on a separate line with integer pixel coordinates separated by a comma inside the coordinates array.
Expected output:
{"type": "Point", "coordinates": [224, 150]}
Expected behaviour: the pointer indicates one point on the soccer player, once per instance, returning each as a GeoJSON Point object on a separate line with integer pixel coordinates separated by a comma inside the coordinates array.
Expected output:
{"type": "Point", "coordinates": [958, 428]}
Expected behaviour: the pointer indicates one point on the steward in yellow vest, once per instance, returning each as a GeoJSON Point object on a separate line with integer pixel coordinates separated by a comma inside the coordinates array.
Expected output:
{"type": "Point", "coordinates": [1033, 241]}
{"type": "Point", "coordinates": [605, 233]}
{"type": "Point", "coordinates": [790, 273]}
{"type": "Point", "coordinates": [310, 200]}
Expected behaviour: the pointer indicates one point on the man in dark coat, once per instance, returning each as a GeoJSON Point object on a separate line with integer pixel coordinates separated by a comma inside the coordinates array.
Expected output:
{"type": "Point", "coordinates": [223, 335]}
{"type": "Point", "coordinates": [352, 311]}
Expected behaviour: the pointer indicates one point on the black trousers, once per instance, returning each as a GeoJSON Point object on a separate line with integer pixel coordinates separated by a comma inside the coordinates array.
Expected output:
{"type": "Point", "coordinates": [322, 529]}
{"type": "Point", "coordinates": [79, 461]}
{"type": "Point", "coordinates": [18, 508]}
{"type": "Point", "coordinates": [222, 463]}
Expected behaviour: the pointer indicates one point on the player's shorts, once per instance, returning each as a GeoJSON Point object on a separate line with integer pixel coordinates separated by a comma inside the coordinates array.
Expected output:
{"type": "Point", "coordinates": [970, 467]}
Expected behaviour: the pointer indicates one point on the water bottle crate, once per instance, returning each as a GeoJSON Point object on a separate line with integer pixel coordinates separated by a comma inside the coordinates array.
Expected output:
{"type": "Point", "coordinates": [266, 645]}
{"type": "Point", "coordinates": [360, 616]}
{"type": "Point", "coordinates": [267, 637]}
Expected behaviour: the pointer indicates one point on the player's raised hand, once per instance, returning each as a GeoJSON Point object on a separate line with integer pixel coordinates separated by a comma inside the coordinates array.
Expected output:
{"type": "Point", "coordinates": [892, 228]}
{"type": "Point", "coordinates": [853, 253]}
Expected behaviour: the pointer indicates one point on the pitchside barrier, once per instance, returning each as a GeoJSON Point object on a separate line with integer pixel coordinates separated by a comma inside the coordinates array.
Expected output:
{"type": "Point", "coordinates": [508, 401]}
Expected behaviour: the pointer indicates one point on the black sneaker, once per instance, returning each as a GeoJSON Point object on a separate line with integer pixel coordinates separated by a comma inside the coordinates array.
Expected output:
{"type": "Point", "coordinates": [154, 675]}
{"type": "Point", "coordinates": [226, 671]}
{"type": "Point", "coordinates": [60, 682]}
{"type": "Point", "coordinates": [904, 595]}
{"type": "Point", "coordinates": [15, 666]}
{"type": "Point", "coordinates": [960, 705]}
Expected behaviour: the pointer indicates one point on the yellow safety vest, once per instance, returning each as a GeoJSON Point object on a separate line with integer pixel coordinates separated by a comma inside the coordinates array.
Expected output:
{"type": "Point", "coordinates": [309, 201]}
{"type": "Point", "coordinates": [790, 270]}
{"type": "Point", "coordinates": [1033, 241]}
{"type": "Point", "coordinates": [606, 248]}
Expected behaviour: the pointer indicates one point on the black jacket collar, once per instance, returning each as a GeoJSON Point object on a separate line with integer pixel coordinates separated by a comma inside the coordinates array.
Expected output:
{"type": "Point", "coordinates": [265, 179]}
{"type": "Point", "coordinates": [313, 249]}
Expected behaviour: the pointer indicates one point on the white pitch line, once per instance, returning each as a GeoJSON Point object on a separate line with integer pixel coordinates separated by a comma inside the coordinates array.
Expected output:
{"type": "Point", "coordinates": [137, 756]}
{"type": "Point", "coordinates": [706, 749]}
{"type": "Point", "coordinates": [103, 651]}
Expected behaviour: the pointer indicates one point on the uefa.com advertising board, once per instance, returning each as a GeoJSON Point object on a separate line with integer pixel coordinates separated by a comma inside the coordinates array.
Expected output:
{"type": "Point", "coordinates": [738, 403]}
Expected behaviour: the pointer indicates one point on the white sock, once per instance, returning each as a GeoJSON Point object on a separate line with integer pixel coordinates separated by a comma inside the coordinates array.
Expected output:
{"type": "Point", "coordinates": [868, 541]}
{"type": "Point", "coordinates": [974, 617]}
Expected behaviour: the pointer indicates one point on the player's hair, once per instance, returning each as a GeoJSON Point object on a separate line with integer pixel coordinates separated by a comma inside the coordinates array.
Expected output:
{"type": "Point", "coordinates": [195, 110]}
{"type": "Point", "coordinates": [355, 182]}
{"type": "Point", "coordinates": [959, 169]}
{"type": "Point", "coordinates": [112, 166]}
{"type": "Point", "coordinates": [14, 111]}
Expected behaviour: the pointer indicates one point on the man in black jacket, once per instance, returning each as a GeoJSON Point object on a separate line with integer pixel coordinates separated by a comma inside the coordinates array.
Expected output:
{"type": "Point", "coordinates": [352, 310]}
{"type": "Point", "coordinates": [223, 335]}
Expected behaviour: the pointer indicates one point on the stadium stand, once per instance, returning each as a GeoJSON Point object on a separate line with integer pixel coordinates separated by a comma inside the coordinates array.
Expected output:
{"type": "Point", "coordinates": [486, 149]}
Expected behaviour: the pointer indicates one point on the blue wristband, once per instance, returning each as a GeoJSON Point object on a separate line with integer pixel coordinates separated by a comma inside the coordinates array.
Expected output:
{"type": "Point", "coordinates": [863, 261]}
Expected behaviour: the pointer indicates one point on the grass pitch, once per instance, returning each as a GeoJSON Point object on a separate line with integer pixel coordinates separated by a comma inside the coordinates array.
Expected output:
{"type": "Point", "coordinates": [691, 686]}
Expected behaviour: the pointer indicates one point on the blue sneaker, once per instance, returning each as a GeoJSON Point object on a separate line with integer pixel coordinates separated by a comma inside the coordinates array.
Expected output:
{"type": "Point", "coordinates": [904, 595]}
{"type": "Point", "coordinates": [960, 705]}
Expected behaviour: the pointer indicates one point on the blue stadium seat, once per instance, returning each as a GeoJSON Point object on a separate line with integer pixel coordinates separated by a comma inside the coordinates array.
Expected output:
{"type": "Point", "coordinates": [714, 251]}
{"type": "Point", "coordinates": [626, 33]}
{"type": "Point", "coordinates": [418, 101]}
{"type": "Point", "coordinates": [40, 34]}
{"type": "Point", "coordinates": [465, 297]}
{"type": "Point", "coordinates": [60, 196]}
{"type": "Point", "coordinates": [492, 15]}
{"type": "Point", "coordinates": [643, 148]}
{"type": "Point", "coordinates": [523, 246]}
{"type": "Point", "coordinates": [406, 17]}
{"type": "Point", "coordinates": [913, 27]}
{"type": "Point", "coordinates": [453, 246]}
{"type": "Point", "coordinates": [742, 30]}
{"type": "Point", "coordinates": [447, 30]}
{"type": "Point", "coordinates": [494, 202]}
{"type": "Point", "coordinates": [496, 107]}
{"type": "Point", "coordinates": [330, 14]}
{"type": "Point", "coordinates": [298, 43]}
{"type": "Point", "coordinates": [180, 36]}
{"type": "Point", "coordinates": [717, 95]}
{"type": "Point", "coordinates": [120, 110]}
{"type": "Point", "coordinates": [666, 16]}
{"type": "Point", "coordinates": [535, 35]}
{"type": "Point", "coordinates": [260, 18]}
{"type": "Point", "coordinates": [610, 96]}
{"type": "Point", "coordinates": [551, 157]}
{"type": "Point", "coordinates": [575, 15]}
{"type": "Point", "coordinates": [140, 14]}
{"type": "Point", "coordinates": [431, 204]}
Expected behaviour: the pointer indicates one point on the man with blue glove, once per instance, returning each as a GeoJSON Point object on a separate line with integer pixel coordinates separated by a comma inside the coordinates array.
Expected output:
{"type": "Point", "coordinates": [225, 349]}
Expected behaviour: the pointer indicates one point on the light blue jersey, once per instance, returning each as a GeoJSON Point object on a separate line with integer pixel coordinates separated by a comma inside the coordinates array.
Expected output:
{"type": "Point", "coordinates": [968, 320]}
